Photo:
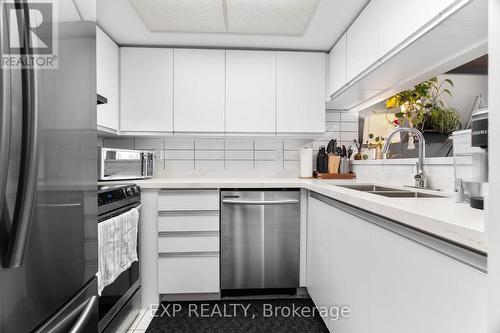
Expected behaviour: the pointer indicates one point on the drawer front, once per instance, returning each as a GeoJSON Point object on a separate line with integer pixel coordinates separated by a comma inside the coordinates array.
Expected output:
{"type": "Point", "coordinates": [188, 274]}
{"type": "Point", "coordinates": [169, 200]}
{"type": "Point", "coordinates": [188, 221]}
{"type": "Point", "coordinates": [176, 242]}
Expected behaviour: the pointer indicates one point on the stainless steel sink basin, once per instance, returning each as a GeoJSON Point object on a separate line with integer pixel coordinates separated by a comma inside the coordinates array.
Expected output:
{"type": "Point", "coordinates": [406, 194]}
{"type": "Point", "coordinates": [368, 187]}
{"type": "Point", "coordinates": [389, 191]}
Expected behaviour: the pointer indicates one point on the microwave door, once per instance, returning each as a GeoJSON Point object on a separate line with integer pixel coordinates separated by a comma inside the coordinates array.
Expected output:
{"type": "Point", "coordinates": [122, 165]}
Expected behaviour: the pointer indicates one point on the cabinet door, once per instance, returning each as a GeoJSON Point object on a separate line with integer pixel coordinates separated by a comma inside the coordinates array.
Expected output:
{"type": "Point", "coordinates": [300, 100]}
{"type": "Point", "coordinates": [400, 26]}
{"type": "Point", "coordinates": [337, 66]}
{"type": "Point", "coordinates": [199, 90]}
{"type": "Point", "coordinates": [146, 89]}
{"type": "Point", "coordinates": [250, 91]}
{"type": "Point", "coordinates": [318, 252]}
{"type": "Point", "coordinates": [362, 40]}
{"type": "Point", "coordinates": [108, 80]}
{"type": "Point", "coordinates": [393, 284]}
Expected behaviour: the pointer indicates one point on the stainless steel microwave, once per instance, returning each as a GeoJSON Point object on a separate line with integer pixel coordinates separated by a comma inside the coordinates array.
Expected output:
{"type": "Point", "coordinates": [124, 164]}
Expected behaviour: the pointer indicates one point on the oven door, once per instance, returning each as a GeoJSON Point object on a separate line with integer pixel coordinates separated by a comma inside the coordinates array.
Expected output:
{"type": "Point", "coordinates": [117, 295]}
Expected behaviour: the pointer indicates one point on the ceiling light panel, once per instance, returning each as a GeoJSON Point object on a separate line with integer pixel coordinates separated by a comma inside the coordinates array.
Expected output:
{"type": "Point", "coordinates": [181, 15]}
{"type": "Point", "coordinates": [276, 17]}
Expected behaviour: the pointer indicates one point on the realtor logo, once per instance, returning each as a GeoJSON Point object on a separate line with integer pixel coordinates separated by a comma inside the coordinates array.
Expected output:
{"type": "Point", "coordinates": [33, 21]}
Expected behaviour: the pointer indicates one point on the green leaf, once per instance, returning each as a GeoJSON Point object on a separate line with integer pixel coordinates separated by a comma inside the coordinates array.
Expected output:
{"type": "Point", "coordinates": [450, 82]}
{"type": "Point", "coordinates": [448, 92]}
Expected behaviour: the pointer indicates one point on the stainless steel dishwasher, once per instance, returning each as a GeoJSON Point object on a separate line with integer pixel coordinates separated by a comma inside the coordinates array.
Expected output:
{"type": "Point", "coordinates": [260, 239]}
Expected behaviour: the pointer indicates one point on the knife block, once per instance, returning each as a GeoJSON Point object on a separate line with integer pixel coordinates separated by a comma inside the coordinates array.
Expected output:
{"type": "Point", "coordinates": [333, 163]}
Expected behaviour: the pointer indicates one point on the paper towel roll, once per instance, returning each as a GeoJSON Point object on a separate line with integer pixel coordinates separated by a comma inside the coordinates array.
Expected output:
{"type": "Point", "coordinates": [306, 162]}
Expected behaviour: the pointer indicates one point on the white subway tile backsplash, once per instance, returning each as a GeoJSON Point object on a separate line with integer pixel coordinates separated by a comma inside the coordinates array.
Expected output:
{"type": "Point", "coordinates": [179, 144]}
{"type": "Point", "coordinates": [296, 144]}
{"type": "Point", "coordinates": [268, 155]}
{"type": "Point", "coordinates": [209, 144]}
{"type": "Point", "coordinates": [209, 155]}
{"type": "Point", "coordinates": [172, 154]}
{"type": "Point", "coordinates": [349, 127]}
{"type": "Point", "coordinates": [173, 165]}
{"type": "Point", "coordinates": [333, 126]}
{"type": "Point", "coordinates": [149, 144]}
{"type": "Point", "coordinates": [268, 165]}
{"type": "Point", "coordinates": [349, 117]}
{"type": "Point", "coordinates": [209, 165]}
{"type": "Point", "coordinates": [125, 143]}
{"type": "Point", "coordinates": [238, 165]}
{"type": "Point", "coordinates": [236, 144]}
{"type": "Point", "coordinates": [291, 155]}
{"type": "Point", "coordinates": [239, 155]}
{"type": "Point", "coordinates": [332, 116]}
{"type": "Point", "coordinates": [348, 136]}
{"type": "Point", "coordinates": [292, 165]}
{"type": "Point", "coordinates": [268, 144]}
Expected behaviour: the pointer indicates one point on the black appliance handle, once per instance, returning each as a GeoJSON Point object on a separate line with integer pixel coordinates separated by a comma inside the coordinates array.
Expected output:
{"type": "Point", "coordinates": [27, 186]}
{"type": "Point", "coordinates": [85, 315]}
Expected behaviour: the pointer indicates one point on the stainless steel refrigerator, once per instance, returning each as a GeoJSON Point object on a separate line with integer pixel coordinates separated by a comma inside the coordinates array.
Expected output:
{"type": "Point", "coordinates": [48, 172]}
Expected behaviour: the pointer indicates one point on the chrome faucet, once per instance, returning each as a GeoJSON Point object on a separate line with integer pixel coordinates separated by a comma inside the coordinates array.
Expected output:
{"type": "Point", "coordinates": [420, 175]}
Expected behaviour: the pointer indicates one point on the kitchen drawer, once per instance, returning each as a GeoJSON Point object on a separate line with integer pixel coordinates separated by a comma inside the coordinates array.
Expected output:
{"type": "Point", "coordinates": [188, 273]}
{"type": "Point", "coordinates": [169, 200]}
{"type": "Point", "coordinates": [174, 242]}
{"type": "Point", "coordinates": [188, 221]}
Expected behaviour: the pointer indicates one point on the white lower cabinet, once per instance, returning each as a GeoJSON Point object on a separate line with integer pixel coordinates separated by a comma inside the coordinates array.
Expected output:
{"type": "Point", "coordinates": [188, 241]}
{"type": "Point", "coordinates": [178, 274]}
{"type": "Point", "coordinates": [391, 283]}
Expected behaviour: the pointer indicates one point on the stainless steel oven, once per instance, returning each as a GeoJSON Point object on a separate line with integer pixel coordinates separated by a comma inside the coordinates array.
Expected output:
{"type": "Point", "coordinates": [120, 300]}
{"type": "Point", "coordinates": [125, 164]}
{"type": "Point", "coordinates": [260, 239]}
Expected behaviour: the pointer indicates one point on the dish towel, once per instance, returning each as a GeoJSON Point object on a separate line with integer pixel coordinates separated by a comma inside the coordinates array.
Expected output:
{"type": "Point", "coordinates": [117, 246]}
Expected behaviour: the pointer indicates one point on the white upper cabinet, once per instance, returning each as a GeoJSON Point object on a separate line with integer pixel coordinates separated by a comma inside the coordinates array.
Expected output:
{"type": "Point", "coordinates": [337, 66]}
{"type": "Point", "coordinates": [199, 94]}
{"type": "Point", "coordinates": [362, 39]}
{"type": "Point", "coordinates": [250, 91]}
{"type": "Point", "coordinates": [146, 89]}
{"type": "Point", "coordinates": [300, 99]}
{"type": "Point", "coordinates": [108, 80]}
{"type": "Point", "coordinates": [400, 26]}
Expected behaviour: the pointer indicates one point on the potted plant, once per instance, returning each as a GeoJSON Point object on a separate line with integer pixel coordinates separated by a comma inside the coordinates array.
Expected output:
{"type": "Point", "coordinates": [425, 108]}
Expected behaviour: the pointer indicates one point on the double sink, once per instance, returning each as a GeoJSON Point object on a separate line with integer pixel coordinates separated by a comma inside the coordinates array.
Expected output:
{"type": "Point", "coordinates": [389, 191]}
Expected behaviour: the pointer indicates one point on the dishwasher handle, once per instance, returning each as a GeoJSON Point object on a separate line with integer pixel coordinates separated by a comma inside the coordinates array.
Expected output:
{"type": "Point", "coordinates": [260, 202]}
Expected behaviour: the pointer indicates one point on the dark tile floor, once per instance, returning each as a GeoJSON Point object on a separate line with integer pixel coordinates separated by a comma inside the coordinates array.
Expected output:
{"type": "Point", "coordinates": [238, 315]}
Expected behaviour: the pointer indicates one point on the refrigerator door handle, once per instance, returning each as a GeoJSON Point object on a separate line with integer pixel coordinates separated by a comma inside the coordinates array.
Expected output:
{"type": "Point", "coordinates": [26, 193]}
{"type": "Point", "coordinates": [85, 315]}
{"type": "Point", "coordinates": [5, 124]}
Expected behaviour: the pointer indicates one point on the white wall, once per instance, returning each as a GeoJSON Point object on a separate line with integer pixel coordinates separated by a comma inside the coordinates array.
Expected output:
{"type": "Point", "coordinates": [466, 88]}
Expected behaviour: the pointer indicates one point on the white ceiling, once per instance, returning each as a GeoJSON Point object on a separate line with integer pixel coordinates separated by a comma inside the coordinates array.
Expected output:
{"type": "Point", "coordinates": [329, 20]}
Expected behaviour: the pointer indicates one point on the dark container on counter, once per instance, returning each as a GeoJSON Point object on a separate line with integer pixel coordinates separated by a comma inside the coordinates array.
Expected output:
{"type": "Point", "coordinates": [322, 161]}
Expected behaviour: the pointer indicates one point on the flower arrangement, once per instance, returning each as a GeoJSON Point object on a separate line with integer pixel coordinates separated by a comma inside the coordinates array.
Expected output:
{"type": "Point", "coordinates": [425, 108]}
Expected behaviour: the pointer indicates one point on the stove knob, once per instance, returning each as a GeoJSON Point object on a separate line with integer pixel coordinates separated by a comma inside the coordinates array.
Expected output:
{"type": "Point", "coordinates": [130, 191]}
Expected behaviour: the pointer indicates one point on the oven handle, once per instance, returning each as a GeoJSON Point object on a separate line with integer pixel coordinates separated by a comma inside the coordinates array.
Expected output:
{"type": "Point", "coordinates": [260, 202]}
{"type": "Point", "coordinates": [123, 211]}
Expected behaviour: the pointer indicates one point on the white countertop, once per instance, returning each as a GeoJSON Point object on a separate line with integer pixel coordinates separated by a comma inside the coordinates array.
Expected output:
{"type": "Point", "coordinates": [443, 217]}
